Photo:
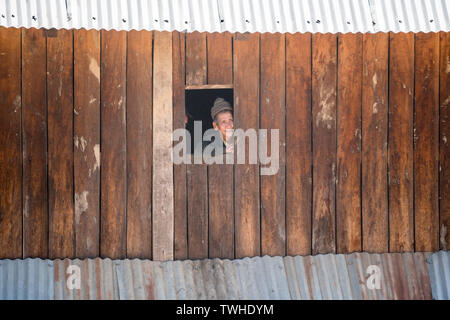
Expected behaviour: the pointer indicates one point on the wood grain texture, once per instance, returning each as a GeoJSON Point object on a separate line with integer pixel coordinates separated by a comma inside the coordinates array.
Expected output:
{"type": "Point", "coordinates": [60, 145]}
{"type": "Point", "coordinates": [272, 113]}
{"type": "Point", "coordinates": [246, 115]}
{"type": "Point", "coordinates": [196, 58]}
{"type": "Point", "coordinates": [220, 58]}
{"type": "Point", "coordinates": [298, 144]}
{"type": "Point", "coordinates": [179, 170]}
{"type": "Point", "coordinates": [197, 179]}
{"type": "Point", "coordinates": [220, 176]}
{"type": "Point", "coordinates": [113, 144]}
{"type": "Point", "coordinates": [400, 144]}
{"type": "Point", "coordinates": [426, 142]}
{"type": "Point", "coordinates": [374, 142]}
{"type": "Point", "coordinates": [10, 144]}
{"type": "Point", "coordinates": [444, 143]}
{"type": "Point", "coordinates": [348, 185]}
{"type": "Point", "coordinates": [163, 215]}
{"type": "Point", "coordinates": [221, 213]}
{"type": "Point", "coordinates": [87, 142]}
{"type": "Point", "coordinates": [34, 144]}
{"type": "Point", "coordinates": [197, 195]}
{"type": "Point", "coordinates": [324, 71]}
{"type": "Point", "coordinates": [139, 145]}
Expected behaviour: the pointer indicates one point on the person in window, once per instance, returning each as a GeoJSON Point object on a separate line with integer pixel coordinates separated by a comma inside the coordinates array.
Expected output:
{"type": "Point", "coordinates": [222, 121]}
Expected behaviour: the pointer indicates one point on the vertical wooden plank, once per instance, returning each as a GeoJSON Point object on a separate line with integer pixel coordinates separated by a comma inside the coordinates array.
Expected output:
{"type": "Point", "coordinates": [197, 185]}
{"type": "Point", "coordinates": [196, 58]}
{"type": "Point", "coordinates": [113, 144]}
{"type": "Point", "coordinates": [221, 213]}
{"type": "Point", "coordinates": [272, 111]}
{"type": "Point", "coordinates": [426, 142]}
{"type": "Point", "coordinates": [324, 142]}
{"type": "Point", "coordinates": [162, 191]}
{"type": "Point", "coordinates": [220, 176]}
{"type": "Point", "coordinates": [34, 144]}
{"type": "Point", "coordinates": [348, 184]}
{"type": "Point", "coordinates": [246, 116]}
{"type": "Point", "coordinates": [444, 145]}
{"type": "Point", "coordinates": [139, 145]}
{"type": "Point", "coordinates": [87, 142]}
{"type": "Point", "coordinates": [60, 144]}
{"type": "Point", "coordinates": [179, 170]}
{"type": "Point", "coordinates": [220, 58]}
{"type": "Point", "coordinates": [400, 145]}
{"type": "Point", "coordinates": [298, 144]}
{"type": "Point", "coordinates": [374, 142]}
{"type": "Point", "coordinates": [10, 145]}
{"type": "Point", "coordinates": [197, 181]}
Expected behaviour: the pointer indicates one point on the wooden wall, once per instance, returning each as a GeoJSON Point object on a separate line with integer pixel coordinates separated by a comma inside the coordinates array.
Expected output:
{"type": "Point", "coordinates": [364, 153]}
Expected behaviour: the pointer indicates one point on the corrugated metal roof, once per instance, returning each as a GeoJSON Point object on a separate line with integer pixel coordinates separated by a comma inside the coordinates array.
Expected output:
{"type": "Point", "coordinates": [439, 269]}
{"type": "Point", "coordinates": [402, 276]}
{"type": "Point", "coordinates": [231, 15]}
{"type": "Point", "coordinates": [29, 279]}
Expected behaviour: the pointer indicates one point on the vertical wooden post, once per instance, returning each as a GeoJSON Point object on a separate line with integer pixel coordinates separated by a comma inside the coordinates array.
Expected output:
{"type": "Point", "coordinates": [298, 144]}
{"type": "Point", "coordinates": [324, 75]}
{"type": "Point", "coordinates": [400, 146]}
{"type": "Point", "coordinates": [86, 131]}
{"type": "Point", "coordinates": [348, 185]}
{"type": "Point", "coordinates": [10, 150]}
{"type": "Point", "coordinates": [444, 141]}
{"type": "Point", "coordinates": [163, 218]}
{"type": "Point", "coordinates": [60, 145]}
{"type": "Point", "coordinates": [34, 144]}
{"type": "Point", "coordinates": [374, 142]}
{"type": "Point", "coordinates": [197, 174]}
{"type": "Point", "coordinates": [426, 142]}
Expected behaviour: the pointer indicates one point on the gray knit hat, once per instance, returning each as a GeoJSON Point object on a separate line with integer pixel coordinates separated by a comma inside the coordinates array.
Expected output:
{"type": "Point", "coordinates": [220, 105]}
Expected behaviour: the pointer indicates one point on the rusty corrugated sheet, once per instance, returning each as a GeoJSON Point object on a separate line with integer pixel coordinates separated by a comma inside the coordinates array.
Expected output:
{"type": "Point", "coordinates": [330, 276]}
{"type": "Point", "coordinates": [439, 270]}
{"type": "Point", "coordinates": [230, 15]}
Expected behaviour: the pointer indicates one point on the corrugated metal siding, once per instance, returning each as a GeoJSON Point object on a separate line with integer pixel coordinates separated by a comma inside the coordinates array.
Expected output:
{"type": "Point", "coordinates": [231, 15]}
{"type": "Point", "coordinates": [439, 270]}
{"type": "Point", "coordinates": [403, 276]}
{"type": "Point", "coordinates": [29, 279]}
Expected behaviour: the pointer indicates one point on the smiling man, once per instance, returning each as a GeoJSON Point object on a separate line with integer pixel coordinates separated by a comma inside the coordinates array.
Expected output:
{"type": "Point", "coordinates": [222, 117]}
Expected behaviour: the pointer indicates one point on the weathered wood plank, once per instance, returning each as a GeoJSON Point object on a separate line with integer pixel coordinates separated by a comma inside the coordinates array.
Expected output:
{"type": "Point", "coordinates": [400, 145]}
{"type": "Point", "coordinates": [139, 145]}
{"type": "Point", "coordinates": [220, 176]}
{"type": "Point", "coordinates": [179, 170]}
{"type": "Point", "coordinates": [374, 142]}
{"type": "Point", "coordinates": [272, 112]}
{"type": "Point", "coordinates": [10, 144]}
{"type": "Point", "coordinates": [113, 144]}
{"type": "Point", "coordinates": [197, 207]}
{"type": "Point", "coordinates": [348, 185]}
{"type": "Point", "coordinates": [196, 58]}
{"type": "Point", "coordinates": [163, 218]}
{"type": "Point", "coordinates": [246, 115]}
{"type": "Point", "coordinates": [426, 142]}
{"type": "Point", "coordinates": [298, 144]}
{"type": "Point", "coordinates": [34, 144]}
{"type": "Point", "coordinates": [444, 144]}
{"type": "Point", "coordinates": [87, 142]}
{"type": "Point", "coordinates": [197, 180]}
{"type": "Point", "coordinates": [324, 70]}
{"type": "Point", "coordinates": [221, 213]}
{"type": "Point", "coordinates": [220, 58]}
{"type": "Point", "coordinates": [60, 145]}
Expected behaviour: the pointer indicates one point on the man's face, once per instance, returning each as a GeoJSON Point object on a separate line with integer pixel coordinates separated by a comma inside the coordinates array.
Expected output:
{"type": "Point", "coordinates": [224, 124]}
